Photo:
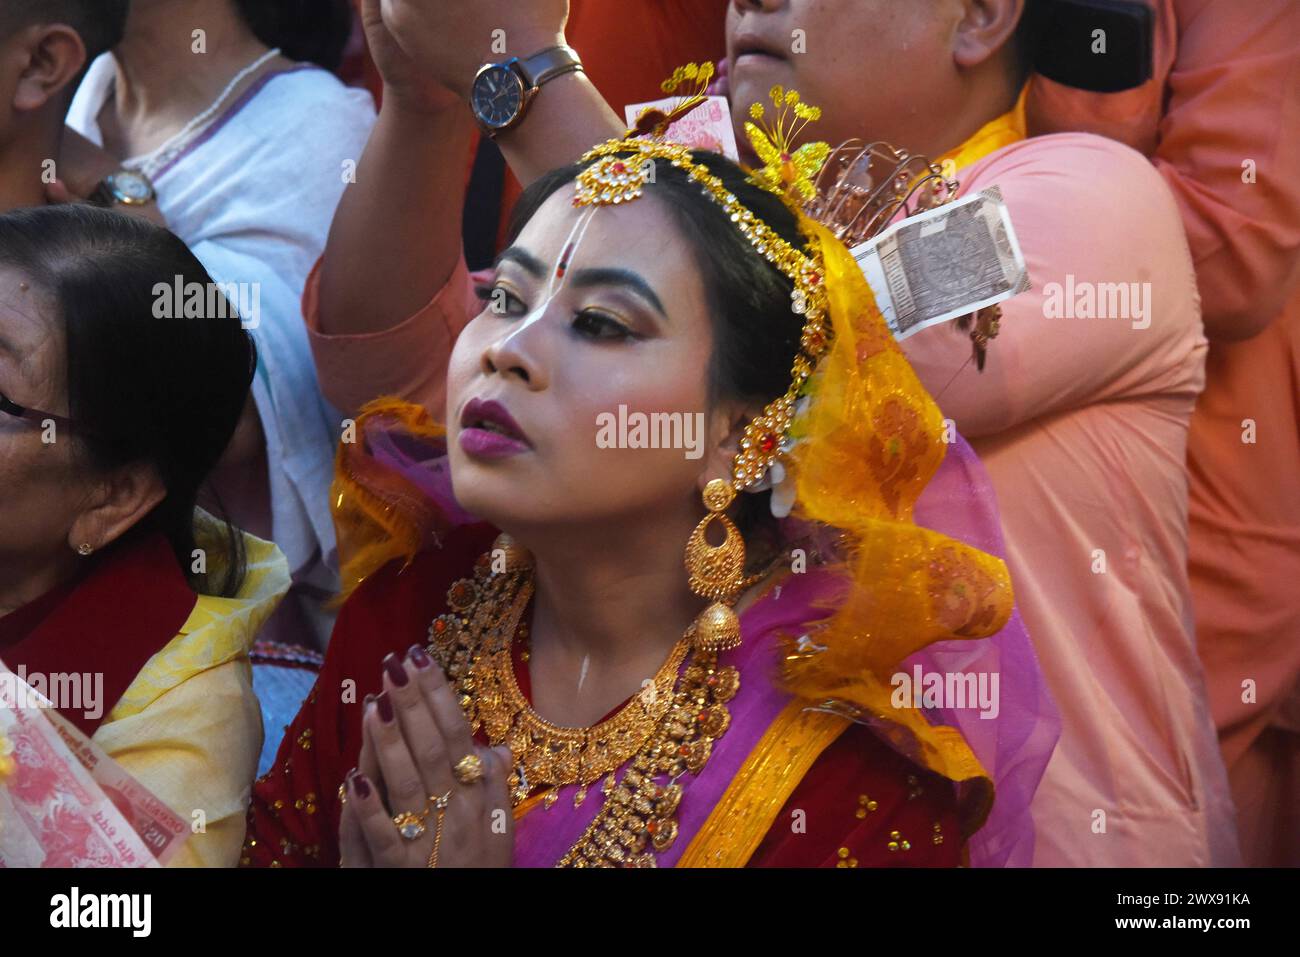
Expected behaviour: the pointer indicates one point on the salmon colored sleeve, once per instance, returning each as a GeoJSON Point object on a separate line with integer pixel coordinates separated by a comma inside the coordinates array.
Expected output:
{"type": "Point", "coordinates": [864, 805]}
{"type": "Point", "coordinates": [1221, 121]}
{"type": "Point", "coordinates": [1093, 218]}
{"type": "Point", "coordinates": [1229, 149]}
{"type": "Point", "coordinates": [408, 360]}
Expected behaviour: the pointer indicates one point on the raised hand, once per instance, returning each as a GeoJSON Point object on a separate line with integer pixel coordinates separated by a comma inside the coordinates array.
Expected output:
{"type": "Point", "coordinates": [413, 87]}
{"type": "Point", "coordinates": [451, 39]}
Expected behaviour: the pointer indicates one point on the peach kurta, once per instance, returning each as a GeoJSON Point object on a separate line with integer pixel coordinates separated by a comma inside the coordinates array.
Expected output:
{"type": "Point", "coordinates": [1221, 122]}
{"type": "Point", "coordinates": [1081, 418]}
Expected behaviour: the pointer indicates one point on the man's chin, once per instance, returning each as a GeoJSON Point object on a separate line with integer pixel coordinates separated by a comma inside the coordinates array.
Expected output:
{"type": "Point", "coordinates": [752, 78]}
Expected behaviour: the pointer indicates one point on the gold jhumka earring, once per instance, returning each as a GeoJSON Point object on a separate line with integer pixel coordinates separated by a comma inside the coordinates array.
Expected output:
{"type": "Point", "coordinates": [717, 572]}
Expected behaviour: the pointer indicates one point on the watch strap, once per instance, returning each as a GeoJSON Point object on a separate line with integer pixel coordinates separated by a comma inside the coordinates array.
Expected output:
{"type": "Point", "coordinates": [548, 64]}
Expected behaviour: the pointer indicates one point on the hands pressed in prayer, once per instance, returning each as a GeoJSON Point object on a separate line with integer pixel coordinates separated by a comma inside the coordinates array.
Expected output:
{"type": "Point", "coordinates": [414, 800]}
{"type": "Point", "coordinates": [451, 39]}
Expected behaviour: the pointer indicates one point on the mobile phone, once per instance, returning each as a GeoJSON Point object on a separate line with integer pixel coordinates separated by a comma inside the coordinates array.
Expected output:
{"type": "Point", "coordinates": [1104, 46]}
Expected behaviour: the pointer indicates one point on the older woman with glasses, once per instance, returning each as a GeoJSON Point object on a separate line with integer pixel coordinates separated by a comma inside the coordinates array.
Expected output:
{"type": "Point", "coordinates": [112, 416]}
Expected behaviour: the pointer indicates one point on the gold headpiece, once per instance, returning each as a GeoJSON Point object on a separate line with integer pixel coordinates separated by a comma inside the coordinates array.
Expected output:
{"type": "Point", "coordinates": [624, 168]}
{"type": "Point", "coordinates": [655, 122]}
{"type": "Point", "coordinates": [786, 171]}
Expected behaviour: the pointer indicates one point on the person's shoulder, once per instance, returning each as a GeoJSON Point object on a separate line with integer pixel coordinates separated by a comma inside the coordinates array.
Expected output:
{"type": "Point", "coordinates": [315, 94]}
{"type": "Point", "coordinates": [1080, 172]}
{"type": "Point", "coordinates": [302, 119]}
{"type": "Point", "coordinates": [1089, 207]}
{"type": "Point", "coordinates": [1088, 154]}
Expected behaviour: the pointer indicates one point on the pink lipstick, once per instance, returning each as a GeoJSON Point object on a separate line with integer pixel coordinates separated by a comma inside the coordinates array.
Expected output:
{"type": "Point", "coordinates": [489, 431]}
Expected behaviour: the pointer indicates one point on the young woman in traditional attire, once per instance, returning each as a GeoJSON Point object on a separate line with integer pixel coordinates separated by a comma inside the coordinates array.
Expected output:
{"type": "Point", "coordinates": [555, 690]}
{"type": "Point", "coordinates": [111, 420]}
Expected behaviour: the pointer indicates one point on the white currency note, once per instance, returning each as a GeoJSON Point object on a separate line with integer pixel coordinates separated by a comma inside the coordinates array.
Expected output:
{"type": "Point", "coordinates": [945, 263]}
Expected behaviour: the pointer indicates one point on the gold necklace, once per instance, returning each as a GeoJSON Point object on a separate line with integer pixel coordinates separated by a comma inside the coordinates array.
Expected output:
{"type": "Point", "coordinates": [559, 755]}
{"type": "Point", "coordinates": [545, 753]}
{"type": "Point", "coordinates": [639, 815]}
{"type": "Point", "coordinates": [666, 729]}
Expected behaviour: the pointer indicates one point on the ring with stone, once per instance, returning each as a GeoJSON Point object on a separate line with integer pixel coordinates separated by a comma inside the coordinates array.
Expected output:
{"type": "Point", "coordinates": [469, 769]}
{"type": "Point", "coordinates": [411, 825]}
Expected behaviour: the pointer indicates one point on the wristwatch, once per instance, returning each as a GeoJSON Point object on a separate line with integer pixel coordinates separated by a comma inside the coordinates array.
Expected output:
{"type": "Point", "coordinates": [503, 91]}
{"type": "Point", "coordinates": [126, 187]}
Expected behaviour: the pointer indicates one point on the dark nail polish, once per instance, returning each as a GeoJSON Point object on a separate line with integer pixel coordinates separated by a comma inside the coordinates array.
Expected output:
{"type": "Point", "coordinates": [362, 786]}
{"type": "Point", "coordinates": [385, 705]}
{"type": "Point", "coordinates": [368, 700]}
{"type": "Point", "coordinates": [419, 658]}
{"type": "Point", "coordinates": [393, 665]}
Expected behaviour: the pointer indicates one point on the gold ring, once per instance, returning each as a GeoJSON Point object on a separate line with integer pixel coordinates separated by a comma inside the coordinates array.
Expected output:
{"type": "Point", "coordinates": [343, 794]}
{"type": "Point", "coordinates": [469, 769]}
{"type": "Point", "coordinates": [410, 825]}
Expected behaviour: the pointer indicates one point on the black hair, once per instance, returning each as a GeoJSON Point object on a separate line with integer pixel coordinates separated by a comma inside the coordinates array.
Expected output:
{"type": "Point", "coordinates": [141, 388]}
{"type": "Point", "coordinates": [101, 23]}
{"type": "Point", "coordinates": [756, 333]}
{"type": "Point", "coordinates": [312, 31]}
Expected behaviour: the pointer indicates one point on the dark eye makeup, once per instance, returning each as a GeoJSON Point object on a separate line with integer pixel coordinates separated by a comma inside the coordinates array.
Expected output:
{"type": "Point", "coordinates": [591, 324]}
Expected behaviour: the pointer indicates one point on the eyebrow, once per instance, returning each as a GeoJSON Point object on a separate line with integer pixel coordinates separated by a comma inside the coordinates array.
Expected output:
{"type": "Point", "coordinates": [586, 278]}
{"type": "Point", "coordinates": [524, 259]}
{"type": "Point", "coordinates": [625, 278]}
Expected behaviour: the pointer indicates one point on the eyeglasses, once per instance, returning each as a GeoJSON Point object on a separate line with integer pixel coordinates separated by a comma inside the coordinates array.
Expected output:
{"type": "Point", "coordinates": [33, 416]}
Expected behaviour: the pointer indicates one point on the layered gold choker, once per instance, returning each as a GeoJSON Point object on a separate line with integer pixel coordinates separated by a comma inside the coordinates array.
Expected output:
{"type": "Point", "coordinates": [668, 728]}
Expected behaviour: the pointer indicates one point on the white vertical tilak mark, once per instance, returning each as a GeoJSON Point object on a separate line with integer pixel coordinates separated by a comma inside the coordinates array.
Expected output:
{"type": "Point", "coordinates": [554, 283]}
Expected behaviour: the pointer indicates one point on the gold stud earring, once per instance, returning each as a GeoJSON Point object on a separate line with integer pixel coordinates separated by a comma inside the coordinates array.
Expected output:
{"type": "Point", "coordinates": [85, 549]}
{"type": "Point", "coordinates": [716, 572]}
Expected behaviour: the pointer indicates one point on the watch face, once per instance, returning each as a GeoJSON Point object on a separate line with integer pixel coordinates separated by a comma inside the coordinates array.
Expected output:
{"type": "Point", "coordinates": [131, 187]}
{"type": "Point", "coordinates": [498, 96]}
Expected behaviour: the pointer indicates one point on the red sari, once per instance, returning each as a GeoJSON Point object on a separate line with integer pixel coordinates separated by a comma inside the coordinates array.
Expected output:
{"type": "Point", "coordinates": [859, 798]}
